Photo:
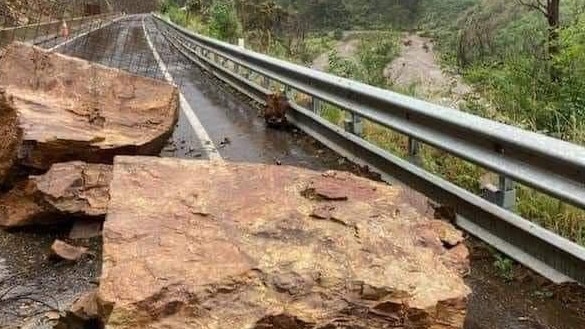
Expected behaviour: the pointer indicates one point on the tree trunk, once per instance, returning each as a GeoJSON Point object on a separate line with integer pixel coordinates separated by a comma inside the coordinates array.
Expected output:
{"type": "Point", "coordinates": [553, 19]}
{"type": "Point", "coordinates": [551, 11]}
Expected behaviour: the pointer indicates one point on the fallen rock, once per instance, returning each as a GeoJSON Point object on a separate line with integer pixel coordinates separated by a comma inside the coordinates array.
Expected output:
{"type": "Point", "coordinates": [275, 110]}
{"type": "Point", "coordinates": [52, 316]}
{"type": "Point", "coordinates": [67, 190]}
{"type": "Point", "coordinates": [206, 245]}
{"type": "Point", "coordinates": [70, 109]}
{"type": "Point", "coordinates": [66, 251]}
{"type": "Point", "coordinates": [86, 306]}
{"type": "Point", "coordinates": [10, 135]}
{"type": "Point", "coordinates": [458, 259]}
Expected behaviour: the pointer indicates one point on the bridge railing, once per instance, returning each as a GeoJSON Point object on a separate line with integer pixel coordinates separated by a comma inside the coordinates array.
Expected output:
{"type": "Point", "coordinates": [552, 166]}
{"type": "Point", "coordinates": [41, 32]}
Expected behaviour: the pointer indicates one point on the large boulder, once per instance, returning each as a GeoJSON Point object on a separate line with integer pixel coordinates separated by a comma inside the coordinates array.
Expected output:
{"type": "Point", "coordinates": [67, 190]}
{"type": "Point", "coordinates": [70, 109]}
{"type": "Point", "coordinates": [10, 135]}
{"type": "Point", "coordinates": [197, 244]}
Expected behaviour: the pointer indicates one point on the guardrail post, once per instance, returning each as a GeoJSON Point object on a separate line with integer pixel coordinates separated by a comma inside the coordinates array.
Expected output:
{"type": "Point", "coordinates": [504, 195]}
{"type": "Point", "coordinates": [265, 82]}
{"type": "Point", "coordinates": [508, 193]}
{"type": "Point", "coordinates": [414, 151]}
{"type": "Point", "coordinates": [287, 91]}
{"type": "Point", "coordinates": [241, 44]}
{"type": "Point", "coordinates": [353, 124]}
{"type": "Point", "coordinates": [316, 105]}
{"type": "Point", "coordinates": [246, 73]}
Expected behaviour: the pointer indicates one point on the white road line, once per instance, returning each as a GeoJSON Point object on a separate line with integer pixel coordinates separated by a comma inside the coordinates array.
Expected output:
{"type": "Point", "coordinates": [85, 33]}
{"type": "Point", "coordinates": [198, 128]}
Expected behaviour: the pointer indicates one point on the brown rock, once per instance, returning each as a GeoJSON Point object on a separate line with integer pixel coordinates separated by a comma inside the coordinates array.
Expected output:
{"type": "Point", "coordinates": [10, 135]}
{"type": "Point", "coordinates": [275, 110]}
{"type": "Point", "coordinates": [457, 258]}
{"type": "Point", "coordinates": [446, 242]}
{"type": "Point", "coordinates": [86, 306]}
{"type": "Point", "coordinates": [83, 313]}
{"type": "Point", "coordinates": [196, 244]}
{"type": "Point", "coordinates": [66, 251]}
{"type": "Point", "coordinates": [448, 235]}
{"type": "Point", "coordinates": [67, 190]}
{"type": "Point", "coordinates": [70, 109]}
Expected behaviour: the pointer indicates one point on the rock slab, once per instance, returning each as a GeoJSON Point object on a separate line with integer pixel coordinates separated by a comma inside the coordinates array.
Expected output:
{"type": "Point", "coordinates": [67, 190]}
{"type": "Point", "coordinates": [10, 135]}
{"type": "Point", "coordinates": [62, 249]}
{"type": "Point", "coordinates": [70, 109]}
{"type": "Point", "coordinates": [197, 244]}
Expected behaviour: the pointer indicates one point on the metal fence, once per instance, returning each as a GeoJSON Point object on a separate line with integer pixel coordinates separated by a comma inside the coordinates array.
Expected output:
{"type": "Point", "coordinates": [549, 165]}
{"type": "Point", "coordinates": [101, 31]}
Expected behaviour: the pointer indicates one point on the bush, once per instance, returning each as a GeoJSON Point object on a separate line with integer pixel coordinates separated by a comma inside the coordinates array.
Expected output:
{"type": "Point", "coordinates": [223, 21]}
{"type": "Point", "coordinates": [166, 5]}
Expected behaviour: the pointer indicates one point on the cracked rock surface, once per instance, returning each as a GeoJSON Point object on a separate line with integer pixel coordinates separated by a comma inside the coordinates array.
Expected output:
{"type": "Point", "coordinates": [70, 109]}
{"type": "Point", "coordinates": [198, 244]}
{"type": "Point", "coordinates": [10, 135]}
{"type": "Point", "coordinates": [66, 190]}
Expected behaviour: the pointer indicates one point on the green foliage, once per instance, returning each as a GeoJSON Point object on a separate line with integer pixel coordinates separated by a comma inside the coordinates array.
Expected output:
{"type": "Point", "coordinates": [223, 22]}
{"type": "Point", "coordinates": [374, 52]}
{"type": "Point", "coordinates": [505, 266]}
{"type": "Point", "coordinates": [313, 46]}
{"type": "Point", "coordinates": [345, 68]}
{"type": "Point", "coordinates": [570, 64]}
{"type": "Point", "coordinates": [177, 15]}
{"type": "Point", "coordinates": [166, 5]}
{"type": "Point", "coordinates": [360, 14]}
{"type": "Point", "coordinates": [520, 85]}
{"type": "Point", "coordinates": [501, 47]}
{"type": "Point", "coordinates": [332, 114]}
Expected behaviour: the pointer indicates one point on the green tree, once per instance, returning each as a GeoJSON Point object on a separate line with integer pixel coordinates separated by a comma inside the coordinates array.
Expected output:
{"type": "Point", "coordinates": [552, 12]}
{"type": "Point", "coordinates": [223, 21]}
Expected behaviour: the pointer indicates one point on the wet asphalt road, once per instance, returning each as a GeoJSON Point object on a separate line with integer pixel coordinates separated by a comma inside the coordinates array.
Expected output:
{"type": "Point", "coordinates": [495, 303]}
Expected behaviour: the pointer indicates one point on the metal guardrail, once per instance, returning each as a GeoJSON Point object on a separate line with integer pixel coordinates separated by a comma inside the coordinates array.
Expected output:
{"type": "Point", "coordinates": [552, 166]}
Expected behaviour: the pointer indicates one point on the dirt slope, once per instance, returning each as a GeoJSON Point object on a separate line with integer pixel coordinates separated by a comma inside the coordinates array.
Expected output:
{"type": "Point", "coordinates": [346, 48]}
{"type": "Point", "coordinates": [418, 68]}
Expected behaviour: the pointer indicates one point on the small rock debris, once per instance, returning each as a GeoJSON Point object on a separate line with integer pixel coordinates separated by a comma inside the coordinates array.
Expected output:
{"type": "Point", "coordinates": [63, 250]}
{"type": "Point", "coordinates": [224, 142]}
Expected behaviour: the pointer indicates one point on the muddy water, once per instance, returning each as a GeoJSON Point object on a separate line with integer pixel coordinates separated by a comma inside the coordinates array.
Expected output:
{"type": "Point", "coordinates": [526, 302]}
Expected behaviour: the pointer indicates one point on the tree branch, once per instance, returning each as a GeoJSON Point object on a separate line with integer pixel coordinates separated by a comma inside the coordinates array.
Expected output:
{"type": "Point", "coordinates": [540, 7]}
